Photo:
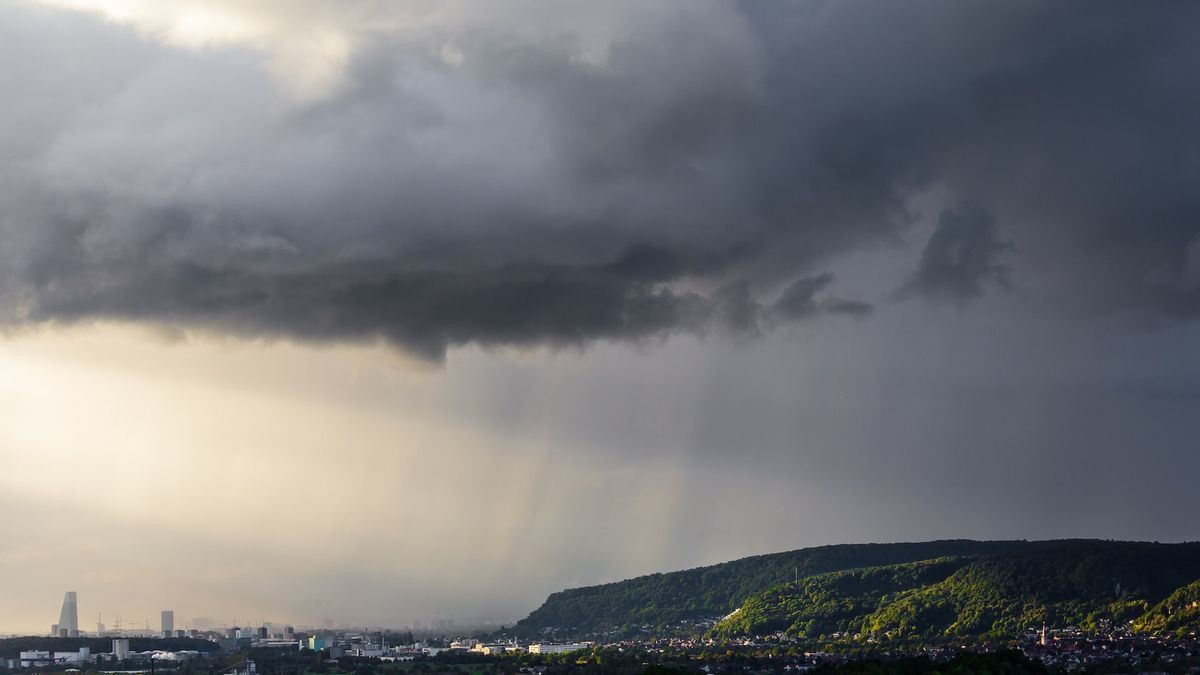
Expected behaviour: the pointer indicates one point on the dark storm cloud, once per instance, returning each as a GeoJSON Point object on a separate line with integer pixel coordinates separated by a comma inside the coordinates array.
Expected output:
{"type": "Point", "coordinates": [799, 301]}
{"type": "Point", "coordinates": [853, 308]}
{"type": "Point", "coordinates": [424, 310]}
{"type": "Point", "coordinates": [537, 188]}
{"type": "Point", "coordinates": [963, 255]}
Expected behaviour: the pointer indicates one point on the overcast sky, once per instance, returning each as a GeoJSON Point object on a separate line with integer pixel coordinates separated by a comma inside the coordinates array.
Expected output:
{"type": "Point", "coordinates": [384, 312]}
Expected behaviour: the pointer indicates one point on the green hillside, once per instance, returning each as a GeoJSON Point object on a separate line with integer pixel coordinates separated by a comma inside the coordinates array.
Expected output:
{"type": "Point", "coordinates": [1179, 612]}
{"type": "Point", "coordinates": [1077, 583]}
{"type": "Point", "coordinates": [833, 602]}
{"type": "Point", "coordinates": [663, 601]}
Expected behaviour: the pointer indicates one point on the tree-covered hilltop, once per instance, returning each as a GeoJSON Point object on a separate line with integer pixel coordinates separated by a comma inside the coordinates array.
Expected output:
{"type": "Point", "coordinates": [1076, 583]}
{"type": "Point", "coordinates": [1178, 613]}
{"type": "Point", "coordinates": [666, 600]}
{"type": "Point", "coordinates": [827, 603]}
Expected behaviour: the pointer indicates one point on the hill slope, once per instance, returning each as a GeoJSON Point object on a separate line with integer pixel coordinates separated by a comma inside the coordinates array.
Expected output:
{"type": "Point", "coordinates": [1080, 583]}
{"type": "Point", "coordinates": [666, 600]}
{"type": "Point", "coordinates": [1179, 612]}
{"type": "Point", "coordinates": [837, 601]}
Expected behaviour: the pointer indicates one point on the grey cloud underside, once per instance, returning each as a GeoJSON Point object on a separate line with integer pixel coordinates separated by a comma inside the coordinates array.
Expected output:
{"type": "Point", "coordinates": [425, 311]}
{"type": "Point", "coordinates": [800, 301]}
{"type": "Point", "coordinates": [963, 254]}
{"type": "Point", "coordinates": [701, 175]}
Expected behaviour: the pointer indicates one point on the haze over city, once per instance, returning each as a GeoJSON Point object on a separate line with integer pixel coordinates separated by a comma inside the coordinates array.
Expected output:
{"type": "Point", "coordinates": [379, 313]}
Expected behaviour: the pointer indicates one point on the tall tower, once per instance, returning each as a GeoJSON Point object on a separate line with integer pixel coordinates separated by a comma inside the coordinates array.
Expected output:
{"type": "Point", "coordinates": [68, 618]}
{"type": "Point", "coordinates": [168, 622]}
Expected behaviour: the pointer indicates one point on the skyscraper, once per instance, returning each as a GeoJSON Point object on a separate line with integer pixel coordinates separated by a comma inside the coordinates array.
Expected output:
{"type": "Point", "coordinates": [68, 618]}
{"type": "Point", "coordinates": [168, 622]}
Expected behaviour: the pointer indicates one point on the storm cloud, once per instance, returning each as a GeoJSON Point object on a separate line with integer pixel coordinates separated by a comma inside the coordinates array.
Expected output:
{"type": "Point", "coordinates": [698, 279]}
{"type": "Point", "coordinates": [963, 255]}
{"type": "Point", "coordinates": [446, 175]}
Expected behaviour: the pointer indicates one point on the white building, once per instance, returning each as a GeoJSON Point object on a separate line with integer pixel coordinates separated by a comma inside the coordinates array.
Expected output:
{"type": "Point", "coordinates": [547, 648]}
{"type": "Point", "coordinates": [37, 658]}
{"type": "Point", "coordinates": [82, 656]}
{"type": "Point", "coordinates": [121, 649]}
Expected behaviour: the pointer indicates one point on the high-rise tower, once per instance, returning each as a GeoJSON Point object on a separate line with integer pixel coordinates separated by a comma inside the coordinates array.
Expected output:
{"type": "Point", "coordinates": [168, 622]}
{"type": "Point", "coordinates": [68, 618]}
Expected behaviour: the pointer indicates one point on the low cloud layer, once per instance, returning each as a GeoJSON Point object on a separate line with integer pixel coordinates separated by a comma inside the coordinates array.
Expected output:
{"type": "Point", "coordinates": [447, 175]}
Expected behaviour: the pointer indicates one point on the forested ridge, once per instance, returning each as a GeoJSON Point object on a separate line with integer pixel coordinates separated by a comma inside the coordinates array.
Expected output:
{"type": "Point", "coordinates": [931, 589]}
{"type": "Point", "coordinates": [1088, 585]}
{"type": "Point", "coordinates": [668, 599]}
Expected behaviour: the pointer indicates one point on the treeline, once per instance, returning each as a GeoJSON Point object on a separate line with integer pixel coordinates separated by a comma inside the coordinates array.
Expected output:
{"type": "Point", "coordinates": [11, 648]}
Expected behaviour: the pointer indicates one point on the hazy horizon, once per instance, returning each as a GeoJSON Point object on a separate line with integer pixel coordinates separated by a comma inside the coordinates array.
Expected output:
{"type": "Point", "coordinates": [392, 312]}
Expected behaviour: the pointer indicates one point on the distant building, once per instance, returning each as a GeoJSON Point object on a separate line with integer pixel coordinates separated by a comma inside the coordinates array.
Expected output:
{"type": "Point", "coordinates": [36, 659]}
{"type": "Point", "coordinates": [491, 649]}
{"type": "Point", "coordinates": [43, 659]}
{"type": "Point", "coordinates": [68, 618]}
{"type": "Point", "coordinates": [547, 648]}
{"type": "Point", "coordinates": [367, 651]}
{"type": "Point", "coordinates": [121, 649]}
{"type": "Point", "coordinates": [83, 655]}
{"type": "Point", "coordinates": [168, 622]}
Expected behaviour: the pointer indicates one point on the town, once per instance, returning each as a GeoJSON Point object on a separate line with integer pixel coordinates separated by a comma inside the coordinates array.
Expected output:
{"type": "Point", "coordinates": [275, 648]}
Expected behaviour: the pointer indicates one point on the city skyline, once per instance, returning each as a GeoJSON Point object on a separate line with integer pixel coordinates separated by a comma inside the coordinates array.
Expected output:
{"type": "Point", "coordinates": [130, 625]}
{"type": "Point", "coordinates": [379, 312]}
